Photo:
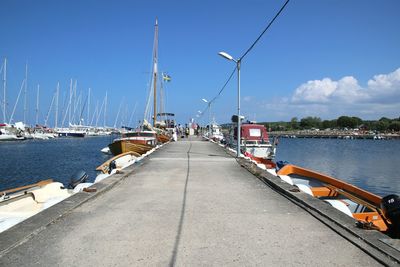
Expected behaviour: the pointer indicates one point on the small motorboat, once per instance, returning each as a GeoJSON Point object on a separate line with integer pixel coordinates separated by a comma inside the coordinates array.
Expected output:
{"type": "Point", "coordinates": [20, 203]}
{"type": "Point", "coordinates": [254, 142]}
{"type": "Point", "coordinates": [370, 211]}
{"type": "Point", "coordinates": [118, 162]}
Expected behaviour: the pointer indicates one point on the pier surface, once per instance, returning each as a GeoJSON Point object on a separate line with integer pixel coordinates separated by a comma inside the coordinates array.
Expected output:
{"type": "Point", "coordinates": [188, 204]}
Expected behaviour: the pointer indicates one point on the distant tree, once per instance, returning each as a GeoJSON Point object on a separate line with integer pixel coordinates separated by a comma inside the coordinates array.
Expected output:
{"type": "Point", "coordinates": [382, 125]}
{"type": "Point", "coordinates": [310, 122]}
{"type": "Point", "coordinates": [357, 121]}
{"type": "Point", "coordinates": [384, 119]}
{"type": "Point", "coordinates": [294, 123]}
{"type": "Point", "coordinates": [329, 124]}
{"type": "Point", "coordinates": [394, 126]}
{"type": "Point", "coordinates": [348, 122]}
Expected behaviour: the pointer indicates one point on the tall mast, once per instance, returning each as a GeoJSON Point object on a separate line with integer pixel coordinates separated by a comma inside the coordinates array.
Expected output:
{"type": "Point", "coordinates": [25, 91]}
{"type": "Point", "coordinates": [155, 55]}
{"type": "Point", "coordinates": [88, 107]}
{"type": "Point", "coordinates": [74, 102]}
{"type": "Point", "coordinates": [56, 117]}
{"type": "Point", "coordinates": [105, 110]}
{"type": "Point", "coordinates": [37, 105]}
{"type": "Point", "coordinates": [69, 104]}
{"type": "Point", "coordinates": [4, 89]}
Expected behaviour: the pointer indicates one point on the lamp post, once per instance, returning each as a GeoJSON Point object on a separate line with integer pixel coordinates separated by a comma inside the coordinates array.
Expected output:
{"type": "Point", "coordinates": [209, 116]}
{"type": "Point", "coordinates": [238, 61]}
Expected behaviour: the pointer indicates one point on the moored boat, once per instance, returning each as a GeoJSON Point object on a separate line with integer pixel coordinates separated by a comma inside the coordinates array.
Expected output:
{"type": "Point", "coordinates": [118, 162]}
{"type": "Point", "coordinates": [139, 142]}
{"type": "Point", "coordinates": [20, 203]}
{"type": "Point", "coordinates": [10, 133]}
{"type": "Point", "coordinates": [69, 132]}
{"type": "Point", "coordinates": [371, 211]}
{"type": "Point", "coordinates": [254, 142]}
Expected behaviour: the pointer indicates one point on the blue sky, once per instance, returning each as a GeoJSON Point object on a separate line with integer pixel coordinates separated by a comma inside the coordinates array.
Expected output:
{"type": "Point", "coordinates": [319, 58]}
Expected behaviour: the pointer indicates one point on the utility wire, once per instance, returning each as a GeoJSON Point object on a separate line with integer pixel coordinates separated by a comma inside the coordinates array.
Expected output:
{"type": "Point", "coordinates": [219, 93]}
{"type": "Point", "coordinates": [240, 59]}
{"type": "Point", "coordinates": [269, 25]}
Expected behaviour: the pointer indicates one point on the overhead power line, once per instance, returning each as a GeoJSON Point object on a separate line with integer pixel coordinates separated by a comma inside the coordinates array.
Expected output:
{"type": "Point", "coordinates": [247, 51]}
{"type": "Point", "coordinates": [263, 32]}
{"type": "Point", "coordinates": [219, 93]}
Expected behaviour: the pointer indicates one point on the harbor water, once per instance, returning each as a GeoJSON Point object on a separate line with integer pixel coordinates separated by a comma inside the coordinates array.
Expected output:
{"type": "Point", "coordinates": [368, 164]}
{"type": "Point", "coordinates": [30, 161]}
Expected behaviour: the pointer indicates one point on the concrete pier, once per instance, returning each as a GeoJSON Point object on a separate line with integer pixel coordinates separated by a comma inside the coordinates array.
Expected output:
{"type": "Point", "coordinates": [188, 204]}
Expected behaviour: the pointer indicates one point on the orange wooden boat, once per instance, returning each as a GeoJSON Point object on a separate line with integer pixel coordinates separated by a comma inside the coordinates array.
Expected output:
{"type": "Point", "coordinates": [371, 211]}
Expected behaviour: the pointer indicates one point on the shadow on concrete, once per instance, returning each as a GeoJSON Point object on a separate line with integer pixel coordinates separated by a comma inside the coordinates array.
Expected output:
{"type": "Point", "coordinates": [182, 218]}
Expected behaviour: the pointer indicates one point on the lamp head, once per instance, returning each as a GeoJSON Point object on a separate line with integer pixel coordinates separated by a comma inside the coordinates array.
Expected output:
{"type": "Point", "coordinates": [226, 55]}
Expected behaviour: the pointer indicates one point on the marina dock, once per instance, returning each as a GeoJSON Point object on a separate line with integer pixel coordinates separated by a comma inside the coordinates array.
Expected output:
{"type": "Point", "coordinates": [189, 203]}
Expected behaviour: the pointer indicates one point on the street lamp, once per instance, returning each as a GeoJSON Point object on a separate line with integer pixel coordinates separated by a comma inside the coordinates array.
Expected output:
{"type": "Point", "coordinates": [209, 116]}
{"type": "Point", "coordinates": [229, 57]}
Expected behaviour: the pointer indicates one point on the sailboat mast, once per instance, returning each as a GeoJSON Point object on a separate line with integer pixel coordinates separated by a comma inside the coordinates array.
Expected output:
{"type": "Point", "coordinates": [88, 108]}
{"type": "Point", "coordinates": [56, 117]}
{"type": "Point", "coordinates": [37, 105]}
{"type": "Point", "coordinates": [70, 103]}
{"type": "Point", "coordinates": [4, 89]}
{"type": "Point", "coordinates": [25, 91]}
{"type": "Point", "coordinates": [105, 110]}
{"type": "Point", "coordinates": [155, 72]}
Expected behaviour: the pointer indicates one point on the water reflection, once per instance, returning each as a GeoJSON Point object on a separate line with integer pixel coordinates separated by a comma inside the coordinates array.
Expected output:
{"type": "Point", "coordinates": [369, 164]}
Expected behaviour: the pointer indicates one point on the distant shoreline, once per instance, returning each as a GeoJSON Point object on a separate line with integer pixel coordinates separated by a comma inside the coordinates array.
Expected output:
{"type": "Point", "coordinates": [334, 134]}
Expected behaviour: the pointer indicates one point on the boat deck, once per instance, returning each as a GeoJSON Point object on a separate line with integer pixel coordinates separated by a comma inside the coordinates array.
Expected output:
{"type": "Point", "coordinates": [188, 204]}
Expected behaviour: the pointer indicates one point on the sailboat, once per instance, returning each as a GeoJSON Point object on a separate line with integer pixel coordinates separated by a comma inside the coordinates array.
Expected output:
{"type": "Point", "coordinates": [147, 136]}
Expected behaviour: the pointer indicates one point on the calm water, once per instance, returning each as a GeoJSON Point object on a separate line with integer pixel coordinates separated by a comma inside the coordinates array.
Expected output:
{"type": "Point", "coordinates": [369, 164]}
{"type": "Point", "coordinates": [30, 161]}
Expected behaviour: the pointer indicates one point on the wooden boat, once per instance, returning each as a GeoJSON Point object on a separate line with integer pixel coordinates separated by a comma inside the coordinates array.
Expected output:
{"type": "Point", "coordinates": [125, 145]}
{"type": "Point", "coordinates": [163, 138]}
{"type": "Point", "coordinates": [118, 162]}
{"type": "Point", "coordinates": [371, 211]}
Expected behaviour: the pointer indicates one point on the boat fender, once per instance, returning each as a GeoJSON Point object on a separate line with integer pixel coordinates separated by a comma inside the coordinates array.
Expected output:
{"type": "Point", "coordinates": [390, 206]}
{"type": "Point", "coordinates": [77, 178]}
{"type": "Point", "coordinates": [112, 166]}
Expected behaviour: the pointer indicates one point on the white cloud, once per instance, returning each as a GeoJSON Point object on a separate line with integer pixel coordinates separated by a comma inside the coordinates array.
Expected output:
{"type": "Point", "coordinates": [383, 88]}
{"type": "Point", "coordinates": [317, 91]}
{"type": "Point", "coordinates": [328, 98]}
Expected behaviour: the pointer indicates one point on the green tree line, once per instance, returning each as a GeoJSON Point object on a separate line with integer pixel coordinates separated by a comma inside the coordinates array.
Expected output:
{"type": "Point", "coordinates": [343, 122]}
